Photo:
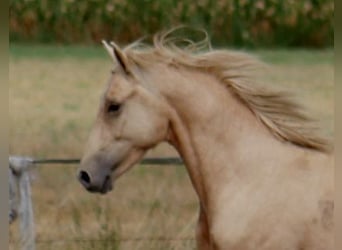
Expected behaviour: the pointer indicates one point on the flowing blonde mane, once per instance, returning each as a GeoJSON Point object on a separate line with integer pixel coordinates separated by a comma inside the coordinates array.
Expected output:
{"type": "Point", "coordinates": [275, 109]}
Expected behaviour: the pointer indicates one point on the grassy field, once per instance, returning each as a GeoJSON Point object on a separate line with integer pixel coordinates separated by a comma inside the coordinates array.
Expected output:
{"type": "Point", "coordinates": [53, 98]}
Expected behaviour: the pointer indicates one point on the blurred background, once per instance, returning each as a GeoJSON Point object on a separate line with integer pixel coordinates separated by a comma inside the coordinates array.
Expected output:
{"type": "Point", "coordinates": [58, 69]}
{"type": "Point", "coordinates": [259, 23]}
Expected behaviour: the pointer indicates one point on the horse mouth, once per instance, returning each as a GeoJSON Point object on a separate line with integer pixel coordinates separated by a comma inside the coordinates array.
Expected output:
{"type": "Point", "coordinates": [107, 185]}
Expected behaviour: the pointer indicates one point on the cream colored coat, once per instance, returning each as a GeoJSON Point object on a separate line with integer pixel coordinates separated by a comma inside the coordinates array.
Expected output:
{"type": "Point", "coordinates": [264, 179]}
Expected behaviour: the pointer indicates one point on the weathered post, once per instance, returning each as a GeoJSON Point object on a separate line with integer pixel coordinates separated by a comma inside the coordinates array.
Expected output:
{"type": "Point", "coordinates": [13, 196]}
{"type": "Point", "coordinates": [20, 171]}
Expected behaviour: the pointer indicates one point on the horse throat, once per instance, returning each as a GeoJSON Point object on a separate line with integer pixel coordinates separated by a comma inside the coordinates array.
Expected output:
{"type": "Point", "coordinates": [180, 138]}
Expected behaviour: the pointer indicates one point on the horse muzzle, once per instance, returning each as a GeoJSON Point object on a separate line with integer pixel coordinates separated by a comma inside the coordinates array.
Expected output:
{"type": "Point", "coordinates": [99, 184]}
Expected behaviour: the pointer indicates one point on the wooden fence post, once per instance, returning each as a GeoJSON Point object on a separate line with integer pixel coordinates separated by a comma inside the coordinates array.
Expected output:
{"type": "Point", "coordinates": [20, 171]}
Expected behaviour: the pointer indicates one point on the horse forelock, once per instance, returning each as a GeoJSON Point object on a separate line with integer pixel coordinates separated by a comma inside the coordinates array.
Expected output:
{"type": "Point", "coordinates": [285, 118]}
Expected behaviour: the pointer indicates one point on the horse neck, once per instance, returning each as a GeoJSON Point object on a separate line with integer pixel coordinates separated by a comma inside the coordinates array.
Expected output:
{"type": "Point", "coordinates": [218, 137]}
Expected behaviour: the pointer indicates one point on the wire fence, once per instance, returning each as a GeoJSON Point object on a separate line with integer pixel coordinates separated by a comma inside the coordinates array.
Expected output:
{"type": "Point", "coordinates": [116, 240]}
{"type": "Point", "coordinates": [20, 201]}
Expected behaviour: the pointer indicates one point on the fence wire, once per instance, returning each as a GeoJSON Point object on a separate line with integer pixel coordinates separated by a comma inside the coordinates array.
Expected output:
{"type": "Point", "coordinates": [146, 161]}
{"type": "Point", "coordinates": [51, 241]}
{"type": "Point", "coordinates": [21, 203]}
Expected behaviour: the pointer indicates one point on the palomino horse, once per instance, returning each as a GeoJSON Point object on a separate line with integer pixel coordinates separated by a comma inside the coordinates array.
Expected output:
{"type": "Point", "coordinates": [263, 176]}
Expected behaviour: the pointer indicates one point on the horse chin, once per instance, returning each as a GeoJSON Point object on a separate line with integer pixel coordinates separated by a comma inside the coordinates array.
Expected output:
{"type": "Point", "coordinates": [124, 165]}
{"type": "Point", "coordinates": [120, 170]}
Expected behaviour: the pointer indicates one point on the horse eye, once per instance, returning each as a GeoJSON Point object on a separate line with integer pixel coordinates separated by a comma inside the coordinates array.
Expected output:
{"type": "Point", "coordinates": [113, 108]}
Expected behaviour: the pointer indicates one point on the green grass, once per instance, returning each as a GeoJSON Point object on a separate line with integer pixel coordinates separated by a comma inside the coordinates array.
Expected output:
{"type": "Point", "coordinates": [18, 51]}
{"type": "Point", "coordinates": [273, 56]}
{"type": "Point", "coordinates": [299, 56]}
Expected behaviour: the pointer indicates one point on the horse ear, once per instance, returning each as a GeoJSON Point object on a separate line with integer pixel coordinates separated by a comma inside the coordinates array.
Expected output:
{"type": "Point", "coordinates": [120, 57]}
{"type": "Point", "coordinates": [117, 55]}
{"type": "Point", "coordinates": [109, 49]}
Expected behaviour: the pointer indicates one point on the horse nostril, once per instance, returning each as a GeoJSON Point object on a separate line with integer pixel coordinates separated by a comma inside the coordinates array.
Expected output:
{"type": "Point", "coordinates": [84, 178]}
